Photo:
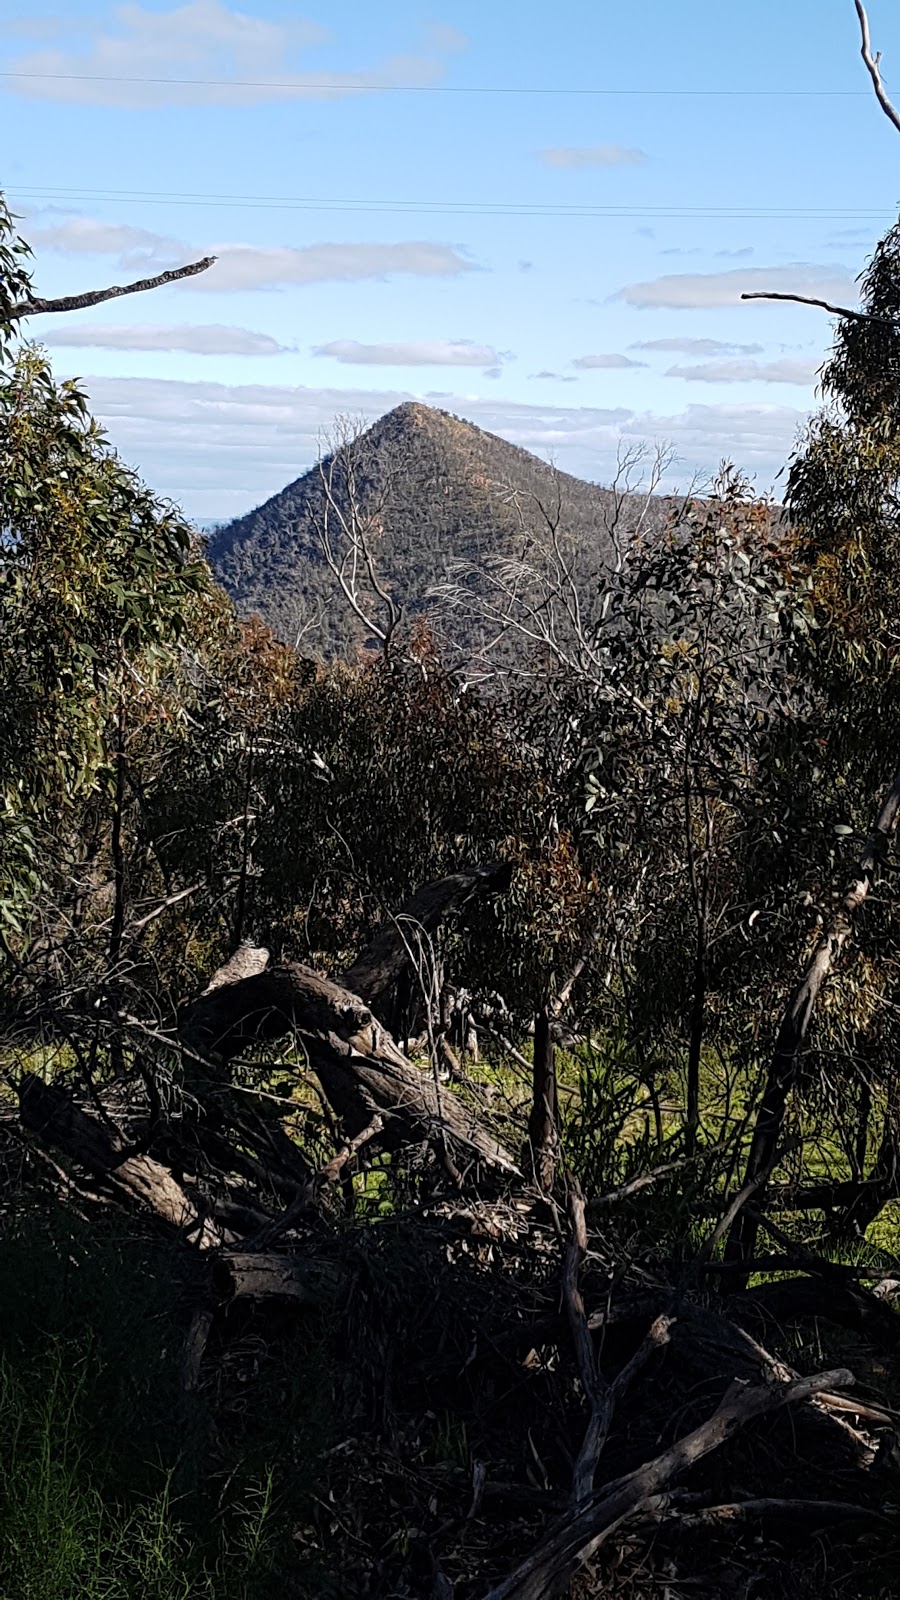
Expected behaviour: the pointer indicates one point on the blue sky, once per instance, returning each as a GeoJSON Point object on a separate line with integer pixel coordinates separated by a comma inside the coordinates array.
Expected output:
{"type": "Point", "coordinates": [435, 201]}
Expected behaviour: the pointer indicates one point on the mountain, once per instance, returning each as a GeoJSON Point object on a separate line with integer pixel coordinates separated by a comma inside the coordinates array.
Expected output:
{"type": "Point", "coordinates": [436, 493]}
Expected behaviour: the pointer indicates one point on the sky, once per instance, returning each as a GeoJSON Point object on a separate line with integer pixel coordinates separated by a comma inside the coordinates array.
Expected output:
{"type": "Point", "coordinates": [538, 218]}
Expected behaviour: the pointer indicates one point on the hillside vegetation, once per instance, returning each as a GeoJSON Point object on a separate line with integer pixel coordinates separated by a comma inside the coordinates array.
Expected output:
{"type": "Point", "coordinates": [450, 1118]}
{"type": "Point", "coordinates": [436, 493]}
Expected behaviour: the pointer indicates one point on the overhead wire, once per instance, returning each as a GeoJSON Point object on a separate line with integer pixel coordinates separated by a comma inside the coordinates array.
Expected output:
{"type": "Point", "coordinates": [306, 85]}
{"type": "Point", "coordinates": [444, 207]}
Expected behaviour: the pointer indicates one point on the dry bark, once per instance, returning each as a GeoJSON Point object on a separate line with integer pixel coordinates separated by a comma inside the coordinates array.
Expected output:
{"type": "Point", "coordinates": [47, 1110]}
{"type": "Point", "coordinates": [34, 306]}
{"type": "Point", "coordinates": [360, 1068]}
{"type": "Point", "coordinates": [256, 1276]}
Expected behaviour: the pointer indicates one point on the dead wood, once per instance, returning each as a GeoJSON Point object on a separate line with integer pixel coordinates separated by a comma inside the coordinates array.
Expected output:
{"type": "Point", "coordinates": [602, 1397]}
{"type": "Point", "coordinates": [387, 953]}
{"type": "Point", "coordinates": [578, 1535]}
{"type": "Point", "coordinates": [824, 305]}
{"type": "Point", "coordinates": [255, 1275]}
{"type": "Point", "coordinates": [95, 297]}
{"type": "Point", "coordinates": [873, 67]}
{"type": "Point", "coordinates": [735, 1512]}
{"type": "Point", "coordinates": [48, 1111]}
{"type": "Point", "coordinates": [844, 1304]}
{"type": "Point", "coordinates": [359, 1066]}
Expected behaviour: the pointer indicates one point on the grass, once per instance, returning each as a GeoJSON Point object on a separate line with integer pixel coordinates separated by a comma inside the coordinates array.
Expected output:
{"type": "Point", "coordinates": [115, 1484]}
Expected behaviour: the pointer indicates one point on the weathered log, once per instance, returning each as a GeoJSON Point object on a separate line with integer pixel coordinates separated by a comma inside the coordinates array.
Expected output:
{"type": "Point", "coordinates": [359, 1066]}
{"type": "Point", "coordinates": [386, 955]}
{"type": "Point", "coordinates": [248, 960]}
{"type": "Point", "coordinates": [49, 1111]}
{"type": "Point", "coordinates": [845, 1304]}
{"type": "Point", "coordinates": [256, 1276]}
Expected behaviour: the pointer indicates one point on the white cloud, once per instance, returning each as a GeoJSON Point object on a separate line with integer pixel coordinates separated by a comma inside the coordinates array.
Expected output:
{"type": "Point", "coordinates": [207, 339]}
{"type": "Point", "coordinates": [612, 361]}
{"type": "Point", "coordinates": [757, 438]}
{"type": "Point", "coordinates": [785, 371]}
{"type": "Point", "coordinates": [222, 448]}
{"type": "Point", "coordinates": [244, 266]}
{"type": "Point", "coordinates": [552, 377]}
{"type": "Point", "coordinates": [683, 290]}
{"type": "Point", "coordinates": [223, 57]}
{"type": "Point", "coordinates": [425, 353]}
{"type": "Point", "coordinates": [75, 235]}
{"type": "Point", "coordinates": [697, 347]}
{"type": "Point", "coordinates": [598, 155]}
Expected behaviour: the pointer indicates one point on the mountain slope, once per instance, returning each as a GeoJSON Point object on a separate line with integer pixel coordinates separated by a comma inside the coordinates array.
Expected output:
{"type": "Point", "coordinates": [437, 491]}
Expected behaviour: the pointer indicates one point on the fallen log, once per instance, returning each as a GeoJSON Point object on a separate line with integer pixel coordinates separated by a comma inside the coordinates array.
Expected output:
{"type": "Point", "coordinates": [360, 1068]}
{"type": "Point", "coordinates": [48, 1110]}
{"type": "Point", "coordinates": [251, 1275]}
{"type": "Point", "coordinates": [845, 1305]}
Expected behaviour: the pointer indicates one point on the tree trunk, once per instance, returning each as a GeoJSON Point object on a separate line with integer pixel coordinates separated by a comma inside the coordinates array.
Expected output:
{"type": "Point", "coordinates": [542, 1121]}
{"type": "Point", "coordinates": [798, 1014]}
{"type": "Point", "coordinates": [695, 1041]}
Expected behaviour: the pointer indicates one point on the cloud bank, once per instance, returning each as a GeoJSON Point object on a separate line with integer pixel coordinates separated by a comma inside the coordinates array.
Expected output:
{"type": "Point", "coordinates": [697, 347]}
{"type": "Point", "coordinates": [203, 53]}
{"type": "Point", "coordinates": [208, 339]}
{"type": "Point", "coordinates": [221, 448]}
{"type": "Point", "coordinates": [611, 361]}
{"type": "Point", "coordinates": [245, 266]}
{"type": "Point", "coordinates": [424, 353]}
{"type": "Point", "coordinates": [784, 371]}
{"type": "Point", "coordinates": [681, 291]}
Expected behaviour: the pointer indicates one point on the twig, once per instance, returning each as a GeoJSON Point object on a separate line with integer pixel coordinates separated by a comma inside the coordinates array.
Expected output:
{"type": "Point", "coordinates": [95, 297]}
{"type": "Point", "coordinates": [635, 1185]}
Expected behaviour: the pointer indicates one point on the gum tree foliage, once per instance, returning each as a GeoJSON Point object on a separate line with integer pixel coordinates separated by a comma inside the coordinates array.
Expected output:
{"type": "Point", "coordinates": [844, 504]}
{"type": "Point", "coordinates": [97, 579]}
{"type": "Point", "coordinates": [658, 691]}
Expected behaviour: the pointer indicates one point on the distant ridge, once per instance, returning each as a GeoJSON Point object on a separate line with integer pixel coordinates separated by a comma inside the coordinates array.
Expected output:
{"type": "Point", "coordinates": [440, 482]}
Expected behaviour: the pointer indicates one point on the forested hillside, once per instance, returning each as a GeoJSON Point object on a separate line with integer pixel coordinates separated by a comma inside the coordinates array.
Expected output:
{"type": "Point", "coordinates": [450, 1119]}
{"type": "Point", "coordinates": [430, 492]}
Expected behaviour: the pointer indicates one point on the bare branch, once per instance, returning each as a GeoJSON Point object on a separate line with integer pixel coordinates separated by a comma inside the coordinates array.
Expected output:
{"type": "Point", "coordinates": [826, 305]}
{"type": "Point", "coordinates": [80, 302]}
{"type": "Point", "coordinates": [873, 66]}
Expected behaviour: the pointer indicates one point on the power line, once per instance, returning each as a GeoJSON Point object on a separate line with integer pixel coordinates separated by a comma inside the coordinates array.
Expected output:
{"type": "Point", "coordinates": [305, 86]}
{"type": "Point", "coordinates": [446, 207]}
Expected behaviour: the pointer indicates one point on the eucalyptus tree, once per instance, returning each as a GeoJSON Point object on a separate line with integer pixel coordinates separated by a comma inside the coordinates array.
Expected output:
{"type": "Point", "coordinates": [98, 580]}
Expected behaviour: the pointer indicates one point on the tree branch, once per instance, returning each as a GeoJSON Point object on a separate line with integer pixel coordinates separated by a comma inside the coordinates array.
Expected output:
{"type": "Point", "coordinates": [873, 64]}
{"type": "Point", "coordinates": [80, 302]}
{"type": "Point", "coordinates": [826, 305]}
